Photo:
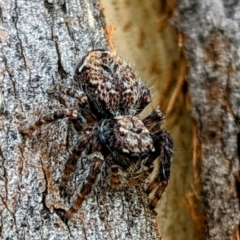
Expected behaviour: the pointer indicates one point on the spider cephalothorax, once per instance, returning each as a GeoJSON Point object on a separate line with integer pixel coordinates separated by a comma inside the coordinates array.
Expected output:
{"type": "Point", "coordinates": [110, 132]}
{"type": "Point", "coordinates": [126, 135]}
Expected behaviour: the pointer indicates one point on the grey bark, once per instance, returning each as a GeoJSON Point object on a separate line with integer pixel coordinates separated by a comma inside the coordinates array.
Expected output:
{"type": "Point", "coordinates": [211, 30]}
{"type": "Point", "coordinates": [41, 44]}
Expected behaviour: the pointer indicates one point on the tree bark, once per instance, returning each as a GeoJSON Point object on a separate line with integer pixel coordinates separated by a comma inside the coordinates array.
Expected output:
{"type": "Point", "coordinates": [211, 35]}
{"type": "Point", "coordinates": [41, 45]}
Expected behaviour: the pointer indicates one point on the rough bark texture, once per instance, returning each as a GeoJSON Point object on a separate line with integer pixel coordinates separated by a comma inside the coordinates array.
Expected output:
{"type": "Point", "coordinates": [211, 30]}
{"type": "Point", "coordinates": [41, 44]}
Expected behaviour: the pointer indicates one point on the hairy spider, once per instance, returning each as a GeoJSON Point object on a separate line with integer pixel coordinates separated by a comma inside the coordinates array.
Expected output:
{"type": "Point", "coordinates": [110, 95]}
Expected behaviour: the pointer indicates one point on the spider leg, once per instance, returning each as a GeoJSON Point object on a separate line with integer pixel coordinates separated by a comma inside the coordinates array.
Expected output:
{"type": "Point", "coordinates": [164, 149]}
{"type": "Point", "coordinates": [66, 113]}
{"type": "Point", "coordinates": [139, 177]}
{"type": "Point", "coordinates": [116, 177]}
{"type": "Point", "coordinates": [153, 120]}
{"type": "Point", "coordinates": [74, 93]}
{"type": "Point", "coordinates": [158, 194]}
{"type": "Point", "coordinates": [86, 188]}
{"type": "Point", "coordinates": [71, 162]}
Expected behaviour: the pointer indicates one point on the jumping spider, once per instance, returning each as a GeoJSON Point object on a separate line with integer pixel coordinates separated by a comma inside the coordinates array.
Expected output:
{"type": "Point", "coordinates": [110, 95]}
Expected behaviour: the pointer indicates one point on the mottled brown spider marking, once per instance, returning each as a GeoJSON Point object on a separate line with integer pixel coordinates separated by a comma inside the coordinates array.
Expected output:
{"type": "Point", "coordinates": [111, 85]}
{"type": "Point", "coordinates": [132, 137]}
{"type": "Point", "coordinates": [154, 120]}
{"type": "Point", "coordinates": [164, 150]}
{"type": "Point", "coordinates": [97, 160]}
{"type": "Point", "coordinates": [153, 185]}
{"type": "Point", "coordinates": [116, 177]}
{"type": "Point", "coordinates": [158, 194]}
{"type": "Point", "coordinates": [72, 160]}
{"type": "Point", "coordinates": [139, 177]}
{"type": "Point", "coordinates": [127, 135]}
{"type": "Point", "coordinates": [79, 95]}
{"type": "Point", "coordinates": [65, 113]}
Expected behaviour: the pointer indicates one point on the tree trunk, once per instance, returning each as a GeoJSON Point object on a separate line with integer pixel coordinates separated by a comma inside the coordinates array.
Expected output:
{"type": "Point", "coordinates": [41, 44]}
{"type": "Point", "coordinates": [211, 30]}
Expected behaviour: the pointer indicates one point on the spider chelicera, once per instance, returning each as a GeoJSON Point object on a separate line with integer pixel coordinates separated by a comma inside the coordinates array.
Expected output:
{"type": "Point", "coordinates": [110, 96]}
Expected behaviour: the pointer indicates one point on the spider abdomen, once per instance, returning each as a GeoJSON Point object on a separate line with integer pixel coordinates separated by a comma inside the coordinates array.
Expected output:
{"type": "Point", "coordinates": [111, 85]}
